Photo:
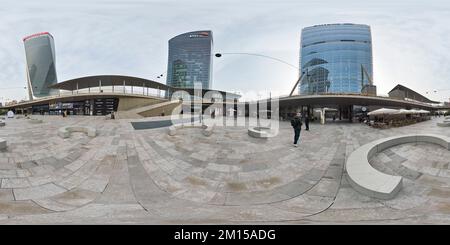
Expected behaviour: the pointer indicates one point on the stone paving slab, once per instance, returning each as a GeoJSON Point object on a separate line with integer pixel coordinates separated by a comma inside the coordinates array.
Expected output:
{"type": "Point", "coordinates": [6, 195]}
{"type": "Point", "coordinates": [53, 205]}
{"type": "Point", "coordinates": [38, 192]}
{"type": "Point", "coordinates": [15, 183]}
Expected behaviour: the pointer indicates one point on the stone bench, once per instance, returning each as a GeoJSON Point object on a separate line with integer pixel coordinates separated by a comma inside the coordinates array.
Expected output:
{"type": "Point", "coordinates": [207, 130]}
{"type": "Point", "coordinates": [260, 132]}
{"type": "Point", "coordinates": [35, 121]}
{"type": "Point", "coordinates": [445, 123]}
{"type": "Point", "coordinates": [2, 144]}
{"type": "Point", "coordinates": [371, 182]}
{"type": "Point", "coordinates": [2, 124]}
{"type": "Point", "coordinates": [65, 132]}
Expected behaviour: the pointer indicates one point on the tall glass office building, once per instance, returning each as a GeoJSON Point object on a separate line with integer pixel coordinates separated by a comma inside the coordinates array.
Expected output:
{"type": "Point", "coordinates": [336, 58]}
{"type": "Point", "coordinates": [190, 60]}
{"type": "Point", "coordinates": [40, 61]}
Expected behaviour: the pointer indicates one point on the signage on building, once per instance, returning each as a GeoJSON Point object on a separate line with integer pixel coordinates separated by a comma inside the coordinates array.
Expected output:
{"type": "Point", "coordinates": [201, 34]}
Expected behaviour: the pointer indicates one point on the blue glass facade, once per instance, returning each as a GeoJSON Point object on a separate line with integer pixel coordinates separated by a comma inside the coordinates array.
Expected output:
{"type": "Point", "coordinates": [331, 55]}
{"type": "Point", "coordinates": [190, 60]}
{"type": "Point", "coordinates": [40, 59]}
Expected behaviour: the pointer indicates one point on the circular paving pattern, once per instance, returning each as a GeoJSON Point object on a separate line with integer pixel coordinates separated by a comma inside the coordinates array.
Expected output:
{"type": "Point", "coordinates": [414, 159]}
{"type": "Point", "coordinates": [232, 168]}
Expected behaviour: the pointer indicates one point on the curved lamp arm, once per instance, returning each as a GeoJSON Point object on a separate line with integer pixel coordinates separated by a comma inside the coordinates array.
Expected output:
{"type": "Point", "coordinates": [259, 55]}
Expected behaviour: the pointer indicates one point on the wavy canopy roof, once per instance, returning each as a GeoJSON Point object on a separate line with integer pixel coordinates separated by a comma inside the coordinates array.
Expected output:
{"type": "Point", "coordinates": [107, 80]}
{"type": "Point", "coordinates": [118, 80]}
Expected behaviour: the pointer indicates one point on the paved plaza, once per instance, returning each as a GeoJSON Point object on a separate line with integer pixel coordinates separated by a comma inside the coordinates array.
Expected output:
{"type": "Point", "coordinates": [128, 176]}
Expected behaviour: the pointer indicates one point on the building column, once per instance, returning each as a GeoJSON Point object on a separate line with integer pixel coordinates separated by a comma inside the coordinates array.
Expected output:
{"type": "Point", "coordinates": [100, 85]}
{"type": "Point", "coordinates": [124, 86]}
{"type": "Point", "coordinates": [322, 116]}
{"type": "Point", "coordinates": [350, 113]}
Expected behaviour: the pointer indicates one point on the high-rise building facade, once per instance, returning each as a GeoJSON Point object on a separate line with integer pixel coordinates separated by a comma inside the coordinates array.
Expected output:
{"type": "Point", "coordinates": [336, 58]}
{"type": "Point", "coordinates": [40, 64]}
{"type": "Point", "coordinates": [190, 60]}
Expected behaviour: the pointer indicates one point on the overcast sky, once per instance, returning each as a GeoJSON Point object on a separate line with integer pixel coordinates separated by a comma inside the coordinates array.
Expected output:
{"type": "Point", "coordinates": [411, 39]}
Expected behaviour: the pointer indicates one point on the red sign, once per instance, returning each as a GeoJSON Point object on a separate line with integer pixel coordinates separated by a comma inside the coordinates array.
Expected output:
{"type": "Point", "coordinates": [37, 35]}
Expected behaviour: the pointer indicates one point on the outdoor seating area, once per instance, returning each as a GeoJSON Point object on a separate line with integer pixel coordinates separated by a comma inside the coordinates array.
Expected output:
{"type": "Point", "coordinates": [386, 118]}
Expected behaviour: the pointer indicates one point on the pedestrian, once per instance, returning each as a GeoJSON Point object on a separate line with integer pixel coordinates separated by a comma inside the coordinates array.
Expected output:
{"type": "Point", "coordinates": [307, 122]}
{"type": "Point", "coordinates": [296, 123]}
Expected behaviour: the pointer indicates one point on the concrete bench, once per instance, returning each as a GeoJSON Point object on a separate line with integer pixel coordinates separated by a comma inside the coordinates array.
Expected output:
{"type": "Point", "coordinates": [445, 123]}
{"type": "Point", "coordinates": [207, 130]}
{"type": "Point", "coordinates": [65, 132]}
{"type": "Point", "coordinates": [172, 130]}
{"type": "Point", "coordinates": [35, 121]}
{"type": "Point", "coordinates": [2, 144]}
{"type": "Point", "coordinates": [371, 182]}
{"type": "Point", "coordinates": [260, 132]}
{"type": "Point", "coordinates": [2, 124]}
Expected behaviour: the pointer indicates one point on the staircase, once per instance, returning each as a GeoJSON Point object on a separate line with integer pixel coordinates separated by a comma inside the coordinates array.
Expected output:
{"type": "Point", "coordinates": [149, 111]}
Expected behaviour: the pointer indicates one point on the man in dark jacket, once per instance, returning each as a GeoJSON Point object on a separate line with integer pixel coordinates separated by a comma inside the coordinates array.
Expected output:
{"type": "Point", "coordinates": [296, 123]}
{"type": "Point", "coordinates": [307, 122]}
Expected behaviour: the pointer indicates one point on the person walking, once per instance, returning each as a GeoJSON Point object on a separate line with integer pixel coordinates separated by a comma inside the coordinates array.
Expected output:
{"type": "Point", "coordinates": [296, 123]}
{"type": "Point", "coordinates": [307, 122]}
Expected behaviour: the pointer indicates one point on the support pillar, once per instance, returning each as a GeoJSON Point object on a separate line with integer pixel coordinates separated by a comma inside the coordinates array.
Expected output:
{"type": "Point", "coordinates": [322, 116]}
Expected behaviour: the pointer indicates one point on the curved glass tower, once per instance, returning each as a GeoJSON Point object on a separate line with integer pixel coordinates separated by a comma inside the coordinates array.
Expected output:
{"type": "Point", "coordinates": [40, 61]}
{"type": "Point", "coordinates": [190, 60]}
{"type": "Point", "coordinates": [336, 58]}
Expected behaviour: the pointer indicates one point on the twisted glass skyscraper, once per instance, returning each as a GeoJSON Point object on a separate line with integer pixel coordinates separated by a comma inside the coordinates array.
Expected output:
{"type": "Point", "coordinates": [336, 58]}
{"type": "Point", "coordinates": [40, 61]}
{"type": "Point", "coordinates": [190, 60]}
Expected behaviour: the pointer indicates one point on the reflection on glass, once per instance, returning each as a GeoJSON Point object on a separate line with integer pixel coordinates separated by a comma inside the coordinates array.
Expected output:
{"type": "Point", "coordinates": [332, 56]}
